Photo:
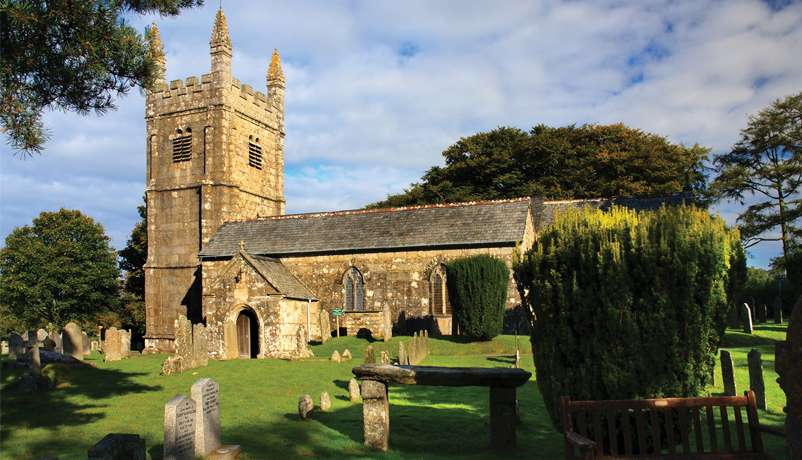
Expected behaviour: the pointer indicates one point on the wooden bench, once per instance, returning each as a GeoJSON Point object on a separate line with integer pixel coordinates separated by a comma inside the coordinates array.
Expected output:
{"type": "Point", "coordinates": [577, 415]}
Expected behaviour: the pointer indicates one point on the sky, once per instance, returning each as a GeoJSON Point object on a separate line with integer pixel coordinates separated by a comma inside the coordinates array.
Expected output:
{"type": "Point", "coordinates": [375, 91]}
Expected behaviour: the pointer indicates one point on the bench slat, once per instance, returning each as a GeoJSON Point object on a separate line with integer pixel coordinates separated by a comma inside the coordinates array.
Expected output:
{"type": "Point", "coordinates": [659, 403]}
{"type": "Point", "coordinates": [655, 430]}
{"type": "Point", "coordinates": [597, 433]}
{"type": "Point", "coordinates": [697, 429]}
{"type": "Point", "coordinates": [725, 428]}
{"type": "Point", "coordinates": [582, 423]}
{"type": "Point", "coordinates": [672, 449]}
{"type": "Point", "coordinates": [711, 430]}
{"type": "Point", "coordinates": [751, 414]}
{"type": "Point", "coordinates": [627, 432]}
{"type": "Point", "coordinates": [683, 426]}
{"type": "Point", "coordinates": [611, 429]}
{"type": "Point", "coordinates": [739, 426]}
{"type": "Point", "coordinates": [641, 431]}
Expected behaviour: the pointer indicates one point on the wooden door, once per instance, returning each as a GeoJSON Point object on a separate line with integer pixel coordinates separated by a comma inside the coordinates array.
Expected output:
{"type": "Point", "coordinates": [244, 336]}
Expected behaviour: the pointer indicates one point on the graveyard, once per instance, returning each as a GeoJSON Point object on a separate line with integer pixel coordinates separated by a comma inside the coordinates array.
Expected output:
{"type": "Point", "coordinates": [259, 400]}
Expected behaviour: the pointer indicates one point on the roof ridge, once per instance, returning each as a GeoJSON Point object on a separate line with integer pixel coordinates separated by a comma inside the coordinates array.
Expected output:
{"type": "Point", "coordinates": [382, 210]}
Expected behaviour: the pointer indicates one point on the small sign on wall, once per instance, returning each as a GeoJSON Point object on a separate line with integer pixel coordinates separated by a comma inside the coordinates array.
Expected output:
{"type": "Point", "coordinates": [337, 312]}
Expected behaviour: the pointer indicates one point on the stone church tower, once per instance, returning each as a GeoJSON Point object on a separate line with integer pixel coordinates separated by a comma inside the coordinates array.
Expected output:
{"type": "Point", "coordinates": [215, 152]}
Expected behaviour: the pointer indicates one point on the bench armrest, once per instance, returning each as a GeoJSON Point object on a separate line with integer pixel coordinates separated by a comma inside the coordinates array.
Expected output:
{"type": "Point", "coordinates": [771, 431]}
{"type": "Point", "coordinates": [583, 443]}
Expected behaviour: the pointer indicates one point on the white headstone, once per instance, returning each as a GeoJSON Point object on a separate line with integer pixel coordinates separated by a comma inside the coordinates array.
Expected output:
{"type": "Point", "coordinates": [206, 393]}
{"type": "Point", "coordinates": [179, 428]}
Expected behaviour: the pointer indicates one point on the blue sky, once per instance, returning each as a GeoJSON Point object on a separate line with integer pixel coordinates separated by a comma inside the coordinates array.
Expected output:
{"type": "Point", "coordinates": [377, 90]}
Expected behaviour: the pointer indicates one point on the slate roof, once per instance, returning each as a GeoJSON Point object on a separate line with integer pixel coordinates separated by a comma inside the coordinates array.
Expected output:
{"type": "Point", "coordinates": [281, 277]}
{"type": "Point", "coordinates": [487, 223]}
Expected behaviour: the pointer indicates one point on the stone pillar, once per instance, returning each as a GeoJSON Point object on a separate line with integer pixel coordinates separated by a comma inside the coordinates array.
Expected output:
{"type": "Point", "coordinates": [387, 322]}
{"type": "Point", "coordinates": [402, 355]}
{"type": "Point", "coordinates": [502, 418]}
{"type": "Point", "coordinates": [756, 378]}
{"type": "Point", "coordinates": [376, 411]}
{"type": "Point", "coordinates": [788, 364]}
{"type": "Point", "coordinates": [325, 326]}
{"type": "Point", "coordinates": [747, 314]}
{"type": "Point", "coordinates": [727, 374]}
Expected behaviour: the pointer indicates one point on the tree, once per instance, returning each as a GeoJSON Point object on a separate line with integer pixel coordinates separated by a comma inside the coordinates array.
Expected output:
{"type": "Point", "coordinates": [72, 56]}
{"type": "Point", "coordinates": [132, 262]}
{"type": "Point", "coordinates": [766, 162]}
{"type": "Point", "coordinates": [626, 304]}
{"type": "Point", "coordinates": [60, 269]}
{"type": "Point", "coordinates": [589, 161]}
{"type": "Point", "coordinates": [477, 288]}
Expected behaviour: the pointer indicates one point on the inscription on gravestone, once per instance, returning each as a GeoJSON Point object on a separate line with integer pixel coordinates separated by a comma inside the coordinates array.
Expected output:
{"type": "Point", "coordinates": [206, 393]}
{"type": "Point", "coordinates": [179, 428]}
{"type": "Point", "coordinates": [727, 375]}
{"type": "Point", "coordinates": [756, 377]}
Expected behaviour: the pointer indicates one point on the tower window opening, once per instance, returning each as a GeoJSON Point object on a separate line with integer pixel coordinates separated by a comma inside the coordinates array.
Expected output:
{"type": "Point", "coordinates": [254, 155]}
{"type": "Point", "coordinates": [182, 148]}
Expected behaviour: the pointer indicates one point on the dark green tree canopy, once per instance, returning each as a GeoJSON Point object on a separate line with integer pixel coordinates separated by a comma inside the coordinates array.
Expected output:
{"type": "Point", "coordinates": [72, 56]}
{"type": "Point", "coordinates": [60, 269]}
{"type": "Point", "coordinates": [587, 161]}
{"type": "Point", "coordinates": [766, 163]}
{"type": "Point", "coordinates": [131, 313]}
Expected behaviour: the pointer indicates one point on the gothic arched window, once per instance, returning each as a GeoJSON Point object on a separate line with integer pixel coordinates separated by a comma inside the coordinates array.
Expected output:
{"type": "Point", "coordinates": [440, 304]}
{"type": "Point", "coordinates": [354, 290]}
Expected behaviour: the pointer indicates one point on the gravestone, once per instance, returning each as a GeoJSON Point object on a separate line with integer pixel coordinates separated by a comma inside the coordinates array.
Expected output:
{"type": "Point", "coordinates": [387, 321]}
{"type": "Point", "coordinates": [747, 314]}
{"type": "Point", "coordinates": [335, 357]}
{"type": "Point", "coordinates": [370, 355]}
{"type": "Point", "coordinates": [727, 373]}
{"type": "Point", "coordinates": [761, 313]}
{"type": "Point", "coordinates": [200, 345]}
{"type": "Point", "coordinates": [95, 345]}
{"type": "Point", "coordinates": [347, 355]}
{"type": "Point", "coordinates": [753, 309]}
{"type": "Point", "coordinates": [56, 338]}
{"type": "Point", "coordinates": [402, 355]}
{"type": "Point", "coordinates": [111, 347]}
{"type": "Point", "coordinates": [172, 365]}
{"type": "Point", "coordinates": [305, 407]}
{"type": "Point", "coordinates": [48, 344]}
{"type": "Point", "coordinates": [778, 312]}
{"type": "Point", "coordinates": [518, 360]}
{"type": "Point", "coordinates": [376, 412]}
{"type": "Point", "coordinates": [16, 346]}
{"type": "Point", "coordinates": [385, 357]}
{"type": "Point", "coordinates": [118, 446]}
{"type": "Point", "coordinates": [183, 341]}
{"type": "Point", "coordinates": [72, 341]}
{"type": "Point", "coordinates": [125, 344]}
{"type": "Point", "coordinates": [179, 428]}
{"type": "Point", "coordinates": [788, 364]}
{"type": "Point", "coordinates": [325, 401]}
{"type": "Point", "coordinates": [206, 393]}
{"type": "Point", "coordinates": [353, 390]}
{"type": "Point", "coordinates": [41, 335]}
{"type": "Point", "coordinates": [87, 346]}
{"type": "Point", "coordinates": [756, 384]}
{"type": "Point", "coordinates": [35, 366]}
{"type": "Point", "coordinates": [4, 347]}
{"type": "Point", "coordinates": [325, 326]}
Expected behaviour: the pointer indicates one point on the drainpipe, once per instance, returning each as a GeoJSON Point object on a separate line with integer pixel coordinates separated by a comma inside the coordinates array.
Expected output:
{"type": "Point", "coordinates": [308, 323]}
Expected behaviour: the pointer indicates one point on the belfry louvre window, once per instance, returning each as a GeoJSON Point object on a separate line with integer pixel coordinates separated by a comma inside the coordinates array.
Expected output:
{"type": "Point", "coordinates": [440, 303]}
{"type": "Point", "coordinates": [354, 291]}
{"type": "Point", "coordinates": [254, 155]}
{"type": "Point", "coordinates": [182, 148]}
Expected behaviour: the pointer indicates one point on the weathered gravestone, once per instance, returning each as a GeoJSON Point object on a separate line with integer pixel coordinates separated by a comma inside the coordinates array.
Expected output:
{"type": "Point", "coordinates": [335, 357]}
{"type": "Point", "coordinates": [402, 355]}
{"type": "Point", "coordinates": [353, 390]}
{"type": "Point", "coordinates": [325, 401]}
{"type": "Point", "coordinates": [95, 345]}
{"type": "Point", "coordinates": [56, 338]}
{"type": "Point", "coordinates": [305, 407]}
{"type": "Point", "coordinates": [35, 366]}
{"type": "Point", "coordinates": [111, 347]}
{"type": "Point", "coordinates": [778, 312]}
{"type": "Point", "coordinates": [727, 373]}
{"type": "Point", "coordinates": [788, 364]}
{"type": "Point", "coordinates": [183, 342]}
{"type": "Point", "coordinates": [385, 357]}
{"type": "Point", "coordinates": [72, 341]}
{"type": "Point", "coordinates": [376, 413]}
{"type": "Point", "coordinates": [172, 365]}
{"type": "Point", "coordinates": [200, 345]}
{"type": "Point", "coordinates": [747, 314]}
{"type": "Point", "coordinates": [3, 347]}
{"type": "Point", "coordinates": [41, 335]}
{"type": "Point", "coordinates": [370, 355]}
{"type": "Point", "coordinates": [86, 344]}
{"type": "Point", "coordinates": [125, 344]}
{"type": "Point", "coordinates": [179, 428]}
{"type": "Point", "coordinates": [206, 393]}
{"type": "Point", "coordinates": [387, 320]}
{"type": "Point", "coordinates": [118, 446]}
{"type": "Point", "coordinates": [347, 355]}
{"type": "Point", "coordinates": [47, 344]}
{"type": "Point", "coordinates": [16, 346]}
{"type": "Point", "coordinates": [761, 313]}
{"type": "Point", "coordinates": [756, 384]}
{"type": "Point", "coordinates": [325, 326]}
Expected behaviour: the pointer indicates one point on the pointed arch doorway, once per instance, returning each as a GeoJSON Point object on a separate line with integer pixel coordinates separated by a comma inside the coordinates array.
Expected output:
{"type": "Point", "coordinates": [247, 335]}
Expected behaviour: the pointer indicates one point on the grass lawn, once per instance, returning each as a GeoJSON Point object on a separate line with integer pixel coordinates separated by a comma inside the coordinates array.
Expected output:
{"type": "Point", "coordinates": [259, 405]}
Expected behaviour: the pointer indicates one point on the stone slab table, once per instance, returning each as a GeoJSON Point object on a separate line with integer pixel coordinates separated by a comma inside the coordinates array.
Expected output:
{"type": "Point", "coordinates": [502, 383]}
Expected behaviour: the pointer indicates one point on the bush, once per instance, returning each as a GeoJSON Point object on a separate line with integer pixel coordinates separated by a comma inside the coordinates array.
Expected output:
{"type": "Point", "coordinates": [628, 305]}
{"type": "Point", "coordinates": [59, 373]}
{"type": "Point", "coordinates": [477, 289]}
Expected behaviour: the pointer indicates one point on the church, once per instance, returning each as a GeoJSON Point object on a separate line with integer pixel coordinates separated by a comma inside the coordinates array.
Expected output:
{"type": "Point", "coordinates": [223, 252]}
